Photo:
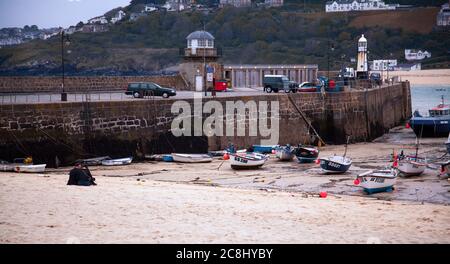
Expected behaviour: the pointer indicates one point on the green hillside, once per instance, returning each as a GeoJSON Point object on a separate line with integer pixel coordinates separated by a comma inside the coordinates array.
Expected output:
{"type": "Point", "coordinates": [246, 35]}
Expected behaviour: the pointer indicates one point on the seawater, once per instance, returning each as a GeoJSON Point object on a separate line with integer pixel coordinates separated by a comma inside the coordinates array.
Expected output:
{"type": "Point", "coordinates": [424, 97]}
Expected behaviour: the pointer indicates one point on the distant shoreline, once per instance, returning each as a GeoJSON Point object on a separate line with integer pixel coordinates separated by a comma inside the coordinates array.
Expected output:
{"type": "Point", "coordinates": [424, 77]}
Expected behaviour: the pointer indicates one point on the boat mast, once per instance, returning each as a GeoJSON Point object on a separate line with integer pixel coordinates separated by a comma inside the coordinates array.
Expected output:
{"type": "Point", "coordinates": [346, 144]}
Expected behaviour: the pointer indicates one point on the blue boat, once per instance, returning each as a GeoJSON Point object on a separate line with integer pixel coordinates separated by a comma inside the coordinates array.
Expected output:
{"type": "Point", "coordinates": [437, 124]}
{"type": "Point", "coordinates": [264, 149]}
{"type": "Point", "coordinates": [335, 164]}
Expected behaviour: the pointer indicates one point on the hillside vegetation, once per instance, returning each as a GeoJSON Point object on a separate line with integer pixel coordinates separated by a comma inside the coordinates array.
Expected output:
{"type": "Point", "coordinates": [273, 35]}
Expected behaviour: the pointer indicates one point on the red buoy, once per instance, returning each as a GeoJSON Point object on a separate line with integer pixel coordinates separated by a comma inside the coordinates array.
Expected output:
{"type": "Point", "coordinates": [323, 194]}
{"type": "Point", "coordinates": [317, 161]}
{"type": "Point", "coordinates": [408, 125]}
{"type": "Point", "coordinates": [226, 156]}
{"type": "Point", "coordinates": [356, 181]}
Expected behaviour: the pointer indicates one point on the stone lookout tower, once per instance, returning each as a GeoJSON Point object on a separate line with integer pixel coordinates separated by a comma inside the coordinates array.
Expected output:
{"type": "Point", "coordinates": [362, 70]}
{"type": "Point", "coordinates": [200, 56]}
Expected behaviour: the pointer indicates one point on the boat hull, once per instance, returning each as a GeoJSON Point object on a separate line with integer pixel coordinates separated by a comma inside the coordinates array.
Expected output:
{"type": "Point", "coordinates": [247, 161]}
{"type": "Point", "coordinates": [306, 154]}
{"type": "Point", "coordinates": [117, 162]}
{"type": "Point", "coordinates": [263, 149]}
{"type": "Point", "coordinates": [30, 168]}
{"type": "Point", "coordinates": [94, 161]}
{"type": "Point", "coordinates": [335, 164]}
{"type": "Point", "coordinates": [410, 168]}
{"type": "Point", "coordinates": [430, 126]}
{"type": "Point", "coordinates": [378, 181]}
{"type": "Point", "coordinates": [191, 158]}
{"type": "Point", "coordinates": [284, 154]}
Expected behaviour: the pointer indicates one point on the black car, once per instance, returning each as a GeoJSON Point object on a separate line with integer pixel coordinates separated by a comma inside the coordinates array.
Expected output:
{"type": "Point", "coordinates": [141, 89]}
{"type": "Point", "coordinates": [375, 77]}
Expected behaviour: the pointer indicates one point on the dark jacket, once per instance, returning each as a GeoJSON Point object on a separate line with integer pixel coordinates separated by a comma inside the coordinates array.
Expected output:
{"type": "Point", "coordinates": [79, 176]}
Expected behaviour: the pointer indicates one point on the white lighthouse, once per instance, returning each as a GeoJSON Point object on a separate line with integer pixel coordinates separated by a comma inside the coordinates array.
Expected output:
{"type": "Point", "coordinates": [361, 70]}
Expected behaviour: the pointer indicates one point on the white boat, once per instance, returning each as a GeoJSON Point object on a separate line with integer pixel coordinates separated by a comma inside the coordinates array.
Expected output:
{"type": "Point", "coordinates": [94, 161]}
{"type": "Point", "coordinates": [117, 162]}
{"type": "Point", "coordinates": [6, 166]}
{"type": "Point", "coordinates": [30, 168]}
{"type": "Point", "coordinates": [247, 160]}
{"type": "Point", "coordinates": [374, 181]}
{"type": "Point", "coordinates": [284, 153]}
{"type": "Point", "coordinates": [191, 158]}
{"type": "Point", "coordinates": [335, 164]}
{"type": "Point", "coordinates": [411, 166]}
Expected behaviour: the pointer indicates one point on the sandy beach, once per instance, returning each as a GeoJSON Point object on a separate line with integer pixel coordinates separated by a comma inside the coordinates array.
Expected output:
{"type": "Point", "coordinates": [157, 202]}
{"type": "Point", "coordinates": [431, 77]}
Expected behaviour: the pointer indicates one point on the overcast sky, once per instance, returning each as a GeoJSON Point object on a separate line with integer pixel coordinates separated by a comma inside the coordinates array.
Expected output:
{"type": "Point", "coordinates": [53, 13]}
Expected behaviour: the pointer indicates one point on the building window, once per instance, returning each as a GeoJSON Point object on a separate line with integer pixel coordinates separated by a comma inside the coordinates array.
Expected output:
{"type": "Point", "coordinates": [202, 42]}
{"type": "Point", "coordinates": [210, 43]}
{"type": "Point", "coordinates": [189, 43]}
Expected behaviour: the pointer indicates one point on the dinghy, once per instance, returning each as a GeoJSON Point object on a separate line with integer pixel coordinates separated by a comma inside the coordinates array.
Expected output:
{"type": "Point", "coordinates": [264, 149]}
{"type": "Point", "coordinates": [284, 153]}
{"type": "Point", "coordinates": [375, 181]}
{"type": "Point", "coordinates": [247, 160]}
{"type": "Point", "coordinates": [336, 164]}
{"type": "Point", "coordinates": [117, 162]}
{"type": "Point", "coordinates": [6, 166]}
{"type": "Point", "coordinates": [411, 166]}
{"type": "Point", "coordinates": [306, 154]}
{"type": "Point", "coordinates": [30, 168]}
{"type": "Point", "coordinates": [191, 158]}
{"type": "Point", "coordinates": [93, 161]}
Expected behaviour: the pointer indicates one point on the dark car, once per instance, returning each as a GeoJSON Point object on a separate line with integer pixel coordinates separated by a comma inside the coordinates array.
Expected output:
{"type": "Point", "coordinates": [375, 77]}
{"type": "Point", "coordinates": [276, 83]}
{"type": "Point", "coordinates": [141, 89]}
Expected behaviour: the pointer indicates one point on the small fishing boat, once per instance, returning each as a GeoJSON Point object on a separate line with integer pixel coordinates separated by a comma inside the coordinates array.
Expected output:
{"type": "Point", "coordinates": [336, 164]}
{"type": "Point", "coordinates": [6, 166]}
{"type": "Point", "coordinates": [217, 153]}
{"type": "Point", "coordinates": [284, 153]}
{"type": "Point", "coordinates": [191, 158]}
{"type": "Point", "coordinates": [167, 158]}
{"type": "Point", "coordinates": [264, 149]}
{"type": "Point", "coordinates": [375, 181]}
{"type": "Point", "coordinates": [30, 168]}
{"type": "Point", "coordinates": [117, 162]}
{"type": "Point", "coordinates": [93, 161]}
{"type": "Point", "coordinates": [437, 124]}
{"type": "Point", "coordinates": [306, 154]}
{"type": "Point", "coordinates": [247, 160]}
{"type": "Point", "coordinates": [411, 166]}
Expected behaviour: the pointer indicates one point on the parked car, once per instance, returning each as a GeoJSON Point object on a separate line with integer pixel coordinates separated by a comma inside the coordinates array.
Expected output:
{"type": "Point", "coordinates": [141, 89]}
{"type": "Point", "coordinates": [375, 77]}
{"type": "Point", "coordinates": [278, 83]}
{"type": "Point", "coordinates": [221, 85]}
{"type": "Point", "coordinates": [308, 87]}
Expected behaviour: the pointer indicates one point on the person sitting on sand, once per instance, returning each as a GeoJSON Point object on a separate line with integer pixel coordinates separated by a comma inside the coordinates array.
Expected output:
{"type": "Point", "coordinates": [80, 175]}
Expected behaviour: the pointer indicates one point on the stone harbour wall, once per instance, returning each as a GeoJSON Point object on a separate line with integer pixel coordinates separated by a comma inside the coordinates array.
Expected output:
{"type": "Point", "coordinates": [72, 130]}
{"type": "Point", "coordinates": [34, 84]}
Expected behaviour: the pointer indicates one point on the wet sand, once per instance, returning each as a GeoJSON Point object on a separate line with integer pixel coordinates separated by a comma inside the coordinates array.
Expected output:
{"type": "Point", "coordinates": [157, 202]}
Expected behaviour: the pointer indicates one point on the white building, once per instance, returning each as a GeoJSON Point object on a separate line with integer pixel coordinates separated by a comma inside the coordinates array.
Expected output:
{"type": "Point", "coordinates": [411, 54]}
{"type": "Point", "coordinates": [118, 16]}
{"type": "Point", "coordinates": [408, 67]}
{"type": "Point", "coordinates": [358, 5]}
{"type": "Point", "coordinates": [98, 20]}
{"type": "Point", "coordinates": [274, 2]}
{"type": "Point", "coordinates": [149, 9]}
{"type": "Point", "coordinates": [235, 3]}
{"type": "Point", "coordinates": [443, 17]}
{"type": "Point", "coordinates": [383, 65]}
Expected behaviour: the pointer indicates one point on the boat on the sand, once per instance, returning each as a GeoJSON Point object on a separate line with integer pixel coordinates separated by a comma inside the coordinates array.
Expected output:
{"type": "Point", "coordinates": [117, 162]}
{"type": "Point", "coordinates": [191, 158]}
